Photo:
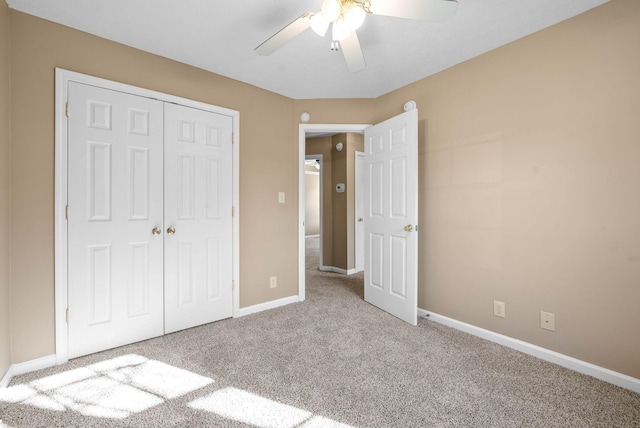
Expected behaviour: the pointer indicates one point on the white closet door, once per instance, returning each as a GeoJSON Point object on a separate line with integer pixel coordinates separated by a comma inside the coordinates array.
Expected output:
{"type": "Point", "coordinates": [198, 218]}
{"type": "Point", "coordinates": [115, 283]}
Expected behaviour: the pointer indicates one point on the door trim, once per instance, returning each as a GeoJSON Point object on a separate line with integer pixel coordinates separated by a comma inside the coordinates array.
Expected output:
{"type": "Point", "coordinates": [62, 79]}
{"type": "Point", "coordinates": [302, 132]}
{"type": "Point", "coordinates": [358, 191]}
{"type": "Point", "coordinates": [320, 199]}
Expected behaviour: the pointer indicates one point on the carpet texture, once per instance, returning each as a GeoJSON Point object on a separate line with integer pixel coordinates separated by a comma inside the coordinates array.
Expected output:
{"type": "Point", "coordinates": [333, 360]}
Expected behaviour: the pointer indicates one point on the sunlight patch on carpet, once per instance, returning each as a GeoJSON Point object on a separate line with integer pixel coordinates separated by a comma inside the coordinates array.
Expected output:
{"type": "Point", "coordinates": [243, 406]}
{"type": "Point", "coordinates": [114, 388]}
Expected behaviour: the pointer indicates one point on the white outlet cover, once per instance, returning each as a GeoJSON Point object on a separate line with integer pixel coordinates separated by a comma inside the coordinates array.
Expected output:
{"type": "Point", "coordinates": [547, 321]}
{"type": "Point", "coordinates": [499, 309]}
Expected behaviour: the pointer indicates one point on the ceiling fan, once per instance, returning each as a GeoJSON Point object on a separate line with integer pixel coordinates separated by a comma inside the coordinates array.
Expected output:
{"type": "Point", "coordinates": [346, 16]}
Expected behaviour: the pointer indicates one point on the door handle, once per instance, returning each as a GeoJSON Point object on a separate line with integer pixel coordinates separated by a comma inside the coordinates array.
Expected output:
{"type": "Point", "coordinates": [171, 230]}
{"type": "Point", "coordinates": [360, 219]}
{"type": "Point", "coordinates": [408, 228]}
{"type": "Point", "coordinates": [156, 231]}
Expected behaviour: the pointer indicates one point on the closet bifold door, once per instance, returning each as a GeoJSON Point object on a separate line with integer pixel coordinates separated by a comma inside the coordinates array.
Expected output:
{"type": "Point", "coordinates": [115, 219]}
{"type": "Point", "coordinates": [198, 217]}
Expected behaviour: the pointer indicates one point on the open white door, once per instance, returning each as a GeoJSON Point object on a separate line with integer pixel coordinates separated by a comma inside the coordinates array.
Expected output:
{"type": "Point", "coordinates": [391, 213]}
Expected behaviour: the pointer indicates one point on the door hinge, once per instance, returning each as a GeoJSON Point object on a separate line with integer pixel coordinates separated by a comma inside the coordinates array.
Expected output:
{"type": "Point", "coordinates": [66, 212]}
{"type": "Point", "coordinates": [67, 315]}
{"type": "Point", "coordinates": [233, 138]}
{"type": "Point", "coordinates": [67, 109]}
{"type": "Point", "coordinates": [233, 284]}
{"type": "Point", "coordinates": [233, 211]}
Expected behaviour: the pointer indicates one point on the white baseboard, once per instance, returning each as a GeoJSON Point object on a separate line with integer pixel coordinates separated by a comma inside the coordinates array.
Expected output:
{"type": "Point", "coordinates": [337, 270]}
{"type": "Point", "coordinates": [6, 379]}
{"type": "Point", "coordinates": [566, 361]}
{"type": "Point", "coordinates": [266, 306]}
{"type": "Point", "coordinates": [33, 365]}
{"type": "Point", "coordinates": [333, 269]}
{"type": "Point", "coordinates": [27, 367]}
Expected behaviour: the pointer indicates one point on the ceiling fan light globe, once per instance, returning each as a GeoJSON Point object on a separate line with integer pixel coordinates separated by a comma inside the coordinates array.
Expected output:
{"type": "Point", "coordinates": [319, 24]}
{"type": "Point", "coordinates": [354, 15]}
{"type": "Point", "coordinates": [340, 30]}
{"type": "Point", "coordinates": [331, 10]}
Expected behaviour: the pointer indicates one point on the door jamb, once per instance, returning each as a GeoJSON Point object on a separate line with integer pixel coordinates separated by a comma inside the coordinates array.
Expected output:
{"type": "Point", "coordinates": [320, 198]}
{"type": "Point", "coordinates": [62, 79]}
{"type": "Point", "coordinates": [358, 192]}
{"type": "Point", "coordinates": [303, 128]}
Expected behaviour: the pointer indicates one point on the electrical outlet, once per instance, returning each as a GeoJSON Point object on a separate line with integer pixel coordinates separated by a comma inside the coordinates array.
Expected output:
{"type": "Point", "coordinates": [499, 309]}
{"type": "Point", "coordinates": [547, 321]}
{"type": "Point", "coordinates": [281, 197]}
{"type": "Point", "coordinates": [273, 282]}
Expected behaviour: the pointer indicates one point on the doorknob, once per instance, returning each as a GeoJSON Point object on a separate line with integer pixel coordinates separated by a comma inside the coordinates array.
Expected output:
{"type": "Point", "coordinates": [156, 231]}
{"type": "Point", "coordinates": [360, 219]}
{"type": "Point", "coordinates": [408, 228]}
{"type": "Point", "coordinates": [171, 230]}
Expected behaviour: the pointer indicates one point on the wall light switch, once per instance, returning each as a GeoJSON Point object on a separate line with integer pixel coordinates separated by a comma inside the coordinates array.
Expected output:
{"type": "Point", "coordinates": [281, 197]}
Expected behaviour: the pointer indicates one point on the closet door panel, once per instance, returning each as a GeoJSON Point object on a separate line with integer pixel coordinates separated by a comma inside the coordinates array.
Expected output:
{"type": "Point", "coordinates": [198, 218]}
{"type": "Point", "coordinates": [115, 198]}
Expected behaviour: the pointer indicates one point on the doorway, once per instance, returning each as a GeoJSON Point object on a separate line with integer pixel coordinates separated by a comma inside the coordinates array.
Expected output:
{"type": "Point", "coordinates": [306, 130]}
{"type": "Point", "coordinates": [313, 200]}
{"type": "Point", "coordinates": [391, 214]}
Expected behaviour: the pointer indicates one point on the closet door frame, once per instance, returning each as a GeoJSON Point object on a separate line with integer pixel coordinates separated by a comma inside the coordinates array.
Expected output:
{"type": "Point", "coordinates": [62, 79]}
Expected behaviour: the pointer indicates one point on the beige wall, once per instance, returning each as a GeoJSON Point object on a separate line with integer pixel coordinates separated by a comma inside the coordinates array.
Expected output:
{"type": "Point", "coordinates": [530, 187]}
{"type": "Point", "coordinates": [5, 188]}
{"type": "Point", "coordinates": [339, 212]}
{"type": "Point", "coordinates": [322, 146]}
{"type": "Point", "coordinates": [344, 203]}
{"type": "Point", "coordinates": [268, 153]}
{"type": "Point", "coordinates": [338, 226]}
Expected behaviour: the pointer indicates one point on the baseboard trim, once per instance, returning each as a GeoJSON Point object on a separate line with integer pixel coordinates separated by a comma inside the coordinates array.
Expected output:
{"type": "Point", "coordinates": [34, 365]}
{"type": "Point", "coordinates": [566, 361]}
{"type": "Point", "coordinates": [333, 269]}
{"type": "Point", "coordinates": [266, 306]}
{"type": "Point", "coordinates": [27, 367]}
{"type": "Point", "coordinates": [337, 270]}
{"type": "Point", "coordinates": [6, 379]}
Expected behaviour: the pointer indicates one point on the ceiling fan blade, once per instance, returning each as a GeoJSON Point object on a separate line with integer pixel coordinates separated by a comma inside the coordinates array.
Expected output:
{"type": "Point", "coordinates": [352, 52]}
{"type": "Point", "coordinates": [284, 36]}
{"type": "Point", "coordinates": [423, 10]}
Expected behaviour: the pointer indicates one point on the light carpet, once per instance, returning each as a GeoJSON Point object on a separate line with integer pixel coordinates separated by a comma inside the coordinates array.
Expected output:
{"type": "Point", "coordinates": [332, 360]}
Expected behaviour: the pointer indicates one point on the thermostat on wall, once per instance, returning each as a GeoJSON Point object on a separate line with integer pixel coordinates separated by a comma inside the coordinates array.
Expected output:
{"type": "Point", "coordinates": [340, 187]}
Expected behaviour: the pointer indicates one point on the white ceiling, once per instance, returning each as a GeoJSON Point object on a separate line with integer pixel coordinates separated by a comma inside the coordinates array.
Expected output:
{"type": "Point", "coordinates": [220, 36]}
